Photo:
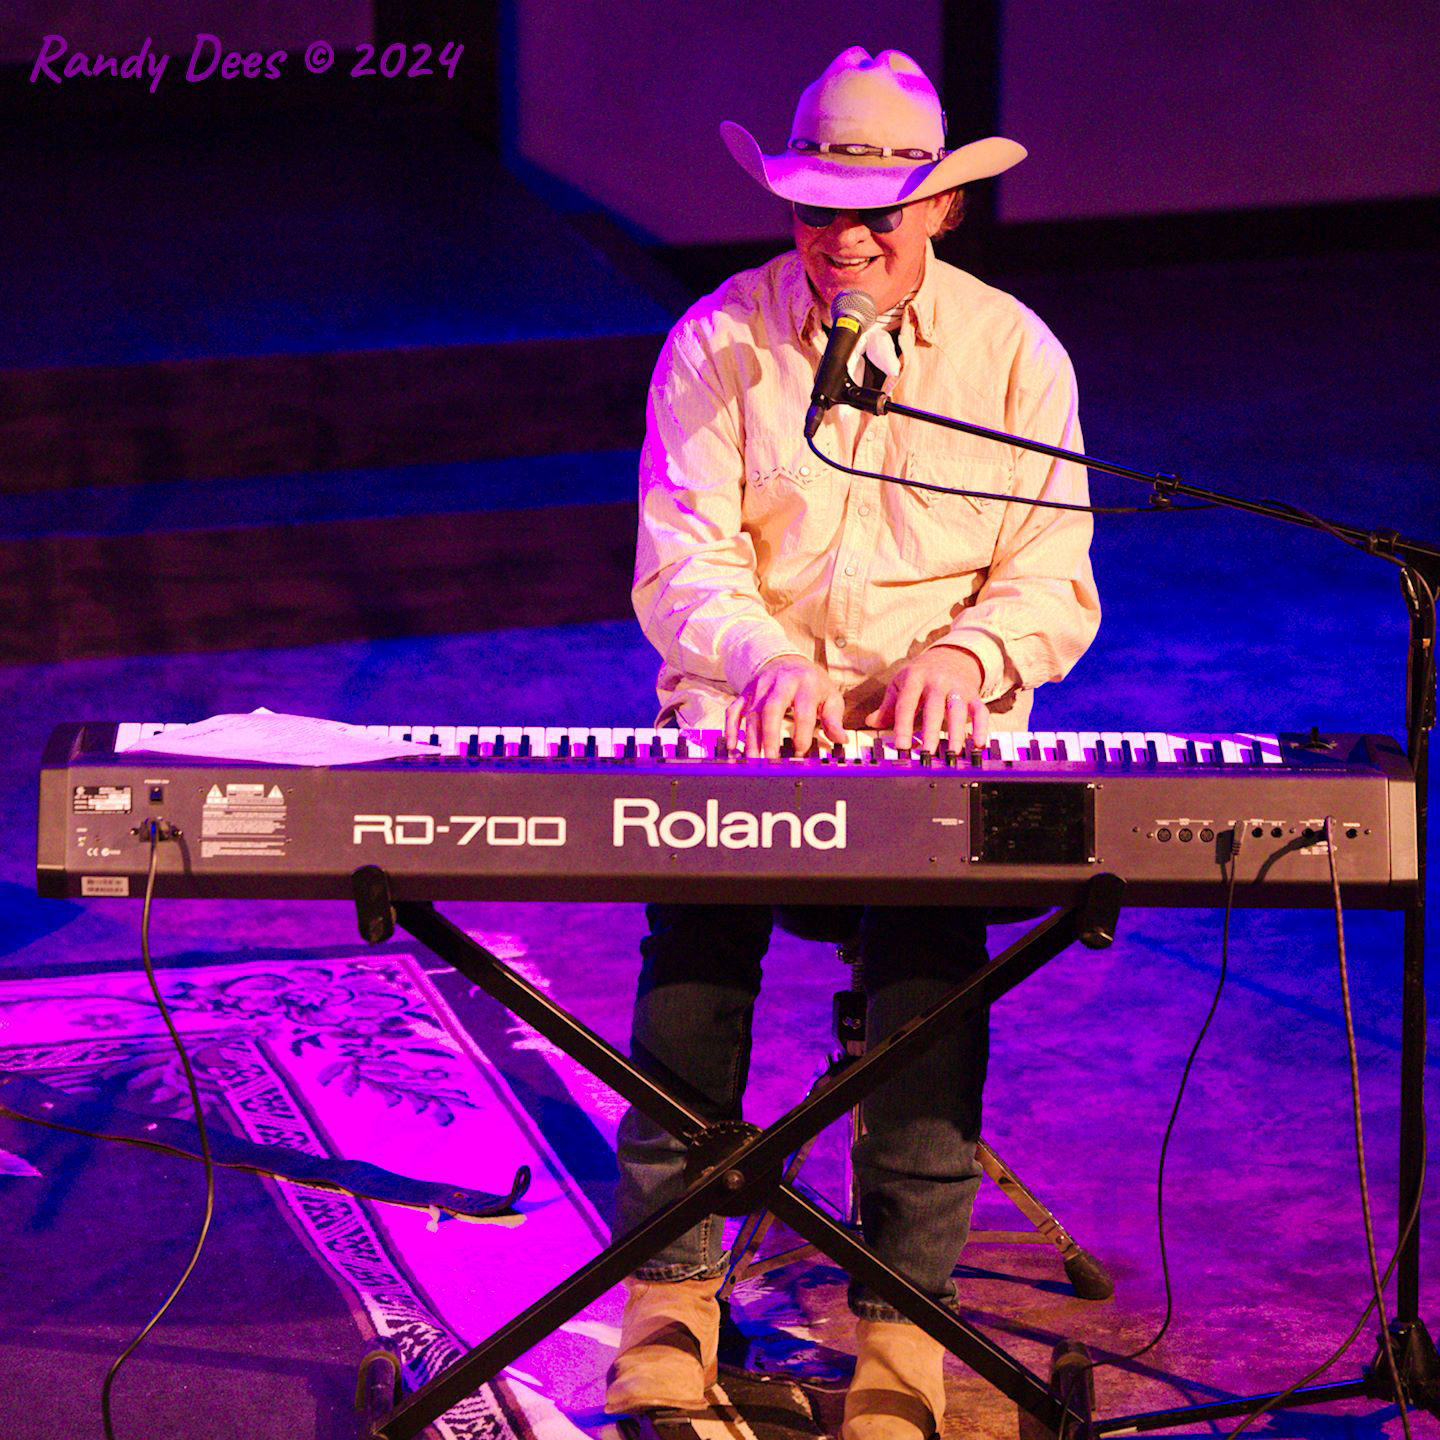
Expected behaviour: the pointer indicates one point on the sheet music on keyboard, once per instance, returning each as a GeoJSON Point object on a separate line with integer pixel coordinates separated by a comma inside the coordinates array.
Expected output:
{"type": "Point", "coordinates": [272, 739]}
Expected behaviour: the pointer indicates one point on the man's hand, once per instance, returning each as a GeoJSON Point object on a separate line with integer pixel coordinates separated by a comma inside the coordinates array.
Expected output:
{"type": "Point", "coordinates": [939, 690]}
{"type": "Point", "coordinates": [788, 684]}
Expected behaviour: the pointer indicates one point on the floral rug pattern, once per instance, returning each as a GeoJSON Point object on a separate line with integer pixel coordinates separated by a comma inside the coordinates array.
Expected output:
{"type": "Point", "coordinates": [359, 1057]}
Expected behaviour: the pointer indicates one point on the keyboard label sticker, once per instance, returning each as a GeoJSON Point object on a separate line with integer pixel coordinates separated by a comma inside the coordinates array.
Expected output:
{"type": "Point", "coordinates": [110, 887]}
{"type": "Point", "coordinates": [244, 819]}
{"type": "Point", "coordinates": [100, 800]}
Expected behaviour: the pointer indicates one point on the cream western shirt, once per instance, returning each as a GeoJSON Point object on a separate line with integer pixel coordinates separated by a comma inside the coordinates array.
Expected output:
{"type": "Point", "coordinates": [750, 547]}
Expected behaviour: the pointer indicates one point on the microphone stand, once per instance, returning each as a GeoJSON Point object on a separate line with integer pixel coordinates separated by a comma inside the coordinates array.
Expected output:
{"type": "Point", "coordinates": [1417, 1362]}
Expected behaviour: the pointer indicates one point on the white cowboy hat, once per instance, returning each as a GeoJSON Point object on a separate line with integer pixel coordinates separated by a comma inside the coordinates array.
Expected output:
{"type": "Point", "coordinates": [868, 133]}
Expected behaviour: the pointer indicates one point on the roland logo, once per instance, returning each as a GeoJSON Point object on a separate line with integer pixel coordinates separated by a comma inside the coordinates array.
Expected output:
{"type": "Point", "coordinates": [641, 820]}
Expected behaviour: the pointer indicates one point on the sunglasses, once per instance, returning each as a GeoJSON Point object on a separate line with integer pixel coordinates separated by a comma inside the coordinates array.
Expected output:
{"type": "Point", "coordinates": [878, 222]}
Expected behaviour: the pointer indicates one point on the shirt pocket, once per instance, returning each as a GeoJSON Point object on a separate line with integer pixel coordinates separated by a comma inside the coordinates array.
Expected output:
{"type": "Point", "coordinates": [951, 534]}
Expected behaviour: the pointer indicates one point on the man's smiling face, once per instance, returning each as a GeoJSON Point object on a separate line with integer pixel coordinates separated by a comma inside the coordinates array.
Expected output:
{"type": "Point", "coordinates": [887, 265]}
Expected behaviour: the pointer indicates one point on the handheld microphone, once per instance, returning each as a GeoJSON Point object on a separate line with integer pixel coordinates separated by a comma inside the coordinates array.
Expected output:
{"type": "Point", "coordinates": [850, 314]}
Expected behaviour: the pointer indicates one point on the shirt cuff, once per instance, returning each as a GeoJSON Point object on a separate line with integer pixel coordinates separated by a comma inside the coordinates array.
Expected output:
{"type": "Point", "coordinates": [744, 656]}
{"type": "Point", "coordinates": [988, 654]}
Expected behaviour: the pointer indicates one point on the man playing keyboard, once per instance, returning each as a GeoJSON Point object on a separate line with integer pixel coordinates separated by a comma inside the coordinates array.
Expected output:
{"type": "Point", "coordinates": [786, 596]}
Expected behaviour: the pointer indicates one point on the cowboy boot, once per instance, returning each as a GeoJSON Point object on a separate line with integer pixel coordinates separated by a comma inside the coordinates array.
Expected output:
{"type": "Point", "coordinates": [898, 1392]}
{"type": "Point", "coordinates": [669, 1339]}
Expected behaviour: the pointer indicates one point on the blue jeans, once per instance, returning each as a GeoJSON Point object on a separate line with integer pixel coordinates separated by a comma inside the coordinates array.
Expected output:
{"type": "Point", "coordinates": [915, 1170]}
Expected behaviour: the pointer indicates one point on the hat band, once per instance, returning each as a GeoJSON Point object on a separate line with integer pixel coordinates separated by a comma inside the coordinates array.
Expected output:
{"type": "Point", "coordinates": [851, 147]}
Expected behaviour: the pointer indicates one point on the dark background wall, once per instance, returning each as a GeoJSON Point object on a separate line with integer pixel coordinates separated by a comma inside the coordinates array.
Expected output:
{"type": "Point", "coordinates": [1128, 107]}
{"type": "Point", "coordinates": [624, 101]}
{"type": "Point", "coordinates": [1134, 108]}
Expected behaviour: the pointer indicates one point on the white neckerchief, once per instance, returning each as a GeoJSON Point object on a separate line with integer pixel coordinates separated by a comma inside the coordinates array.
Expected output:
{"type": "Point", "coordinates": [877, 344]}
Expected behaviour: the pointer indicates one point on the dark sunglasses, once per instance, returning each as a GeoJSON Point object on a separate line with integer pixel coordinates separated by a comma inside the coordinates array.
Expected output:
{"type": "Point", "coordinates": [879, 222]}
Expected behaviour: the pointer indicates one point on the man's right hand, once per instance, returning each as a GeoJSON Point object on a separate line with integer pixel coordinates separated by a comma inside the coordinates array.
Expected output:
{"type": "Point", "coordinates": [787, 685]}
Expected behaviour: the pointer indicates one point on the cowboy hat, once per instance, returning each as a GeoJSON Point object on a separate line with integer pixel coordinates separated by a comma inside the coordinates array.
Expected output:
{"type": "Point", "coordinates": [869, 132]}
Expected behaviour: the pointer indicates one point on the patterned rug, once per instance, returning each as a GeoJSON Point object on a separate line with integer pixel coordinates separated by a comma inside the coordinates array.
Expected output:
{"type": "Point", "coordinates": [357, 1056]}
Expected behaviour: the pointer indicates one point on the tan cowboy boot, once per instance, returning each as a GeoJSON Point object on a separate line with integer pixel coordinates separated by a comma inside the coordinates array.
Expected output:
{"type": "Point", "coordinates": [898, 1392]}
{"type": "Point", "coordinates": [669, 1339]}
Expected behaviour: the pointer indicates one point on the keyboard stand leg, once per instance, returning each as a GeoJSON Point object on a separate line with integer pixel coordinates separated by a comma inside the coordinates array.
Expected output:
{"type": "Point", "coordinates": [1088, 1277]}
{"type": "Point", "coordinates": [737, 1169]}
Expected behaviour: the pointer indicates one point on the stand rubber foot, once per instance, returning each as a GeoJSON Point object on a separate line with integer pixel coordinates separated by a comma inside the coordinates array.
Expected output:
{"type": "Point", "coordinates": [378, 1390]}
{"type": "Point", "coordinates": [1416, 1361]}
{"type": "Point", "coordinates": [1072, 1378]}
{"type": "Point", "coordinates": [1089, 1279]}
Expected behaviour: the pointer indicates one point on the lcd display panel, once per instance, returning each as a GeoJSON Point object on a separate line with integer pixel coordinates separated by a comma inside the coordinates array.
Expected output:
{"type": "Point", "coordinates": [1037, 822]}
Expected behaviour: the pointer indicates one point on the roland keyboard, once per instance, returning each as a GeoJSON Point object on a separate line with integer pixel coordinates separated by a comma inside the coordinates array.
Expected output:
{"type": "Point", "coordinates": [618, 813]}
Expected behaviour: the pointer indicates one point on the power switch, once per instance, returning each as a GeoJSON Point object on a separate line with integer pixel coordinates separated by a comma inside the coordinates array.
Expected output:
{"type": "Point", "coordinates": [157, 794]}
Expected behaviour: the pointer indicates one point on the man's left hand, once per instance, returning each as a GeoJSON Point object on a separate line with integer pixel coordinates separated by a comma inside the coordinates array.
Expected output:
{"type": "Point", "coordinates": [937, 692]}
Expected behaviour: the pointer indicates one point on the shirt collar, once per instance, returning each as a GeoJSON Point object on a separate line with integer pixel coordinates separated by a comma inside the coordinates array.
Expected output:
{"type": "Point", "coordinates": [809, 322]}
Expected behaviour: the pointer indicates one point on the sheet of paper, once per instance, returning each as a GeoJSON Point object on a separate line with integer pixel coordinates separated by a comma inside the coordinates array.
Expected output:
{"type": "Point", "coordinates": [277, 740]}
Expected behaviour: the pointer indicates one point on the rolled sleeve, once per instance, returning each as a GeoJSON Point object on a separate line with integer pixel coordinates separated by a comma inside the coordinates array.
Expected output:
{"type": "Point", "coordinates": [696, 592]}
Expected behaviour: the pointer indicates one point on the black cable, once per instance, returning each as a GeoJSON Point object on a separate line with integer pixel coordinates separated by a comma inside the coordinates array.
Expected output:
{"type": "Point", "coordinates": [1083, 1372]}
{"type": "Point", "coordinates": [154, 1320]}
{"type": "Point", "coordinates": [1337, 1354]}
{"type": "Point", "coordinates": [1378, 1282]}
{"type": "Point", "coordinates": [1354, 1058]}
{"type": "Point", "coordinates": [309, 1182]}
{"type": "Point", "coordinates": [991, 495]}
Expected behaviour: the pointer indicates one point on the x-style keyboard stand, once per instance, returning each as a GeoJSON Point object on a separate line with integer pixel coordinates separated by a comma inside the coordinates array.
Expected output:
{"type": "Point", "coordinates": [735, 1168]}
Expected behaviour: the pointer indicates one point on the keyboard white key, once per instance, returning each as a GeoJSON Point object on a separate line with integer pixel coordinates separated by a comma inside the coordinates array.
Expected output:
{"type": "Point", "coordinates": [618, 735]}
{"type": "Point", "coordinates": [604, 741]}
{"type": "Point", "coordinates": [645, 741]}
{"type": "Point", "coordinates": [1267, 745]}
{"type": "Point", "coordinates": [1162, 746]}
{"type": "Point", "coordinates": [701, 742]}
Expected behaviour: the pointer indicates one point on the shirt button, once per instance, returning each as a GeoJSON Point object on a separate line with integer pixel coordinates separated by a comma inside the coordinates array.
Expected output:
{"type": "Point", "coordinates": [804, 469]}
{"type": "Point", "coordinates": [864, 511]}
{"type": "Point", "coordinates": [850, 569]}
{"type": "Point", "coordinates": [839, 642]}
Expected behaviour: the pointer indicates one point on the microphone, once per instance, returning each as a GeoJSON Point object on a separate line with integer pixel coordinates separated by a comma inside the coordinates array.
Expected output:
{"type": "Point", "coordinates": [850, 313]}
